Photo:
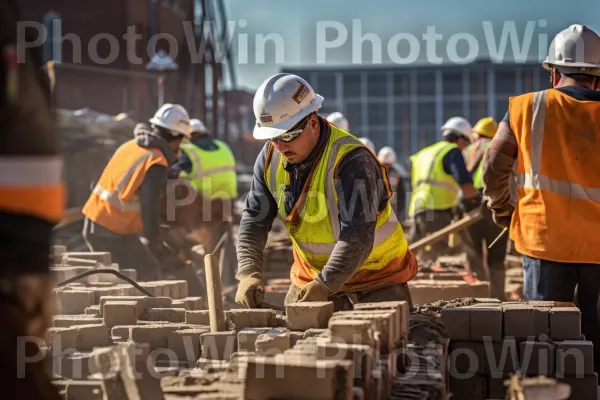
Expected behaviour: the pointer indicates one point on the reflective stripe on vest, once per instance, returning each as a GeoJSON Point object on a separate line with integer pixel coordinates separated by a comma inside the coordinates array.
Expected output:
{"type": "Point", "coordinates": [434, 182]}
{"type": "Point", "coordinates": [113, 197]}
{"type": "Point", "coordinates": [535, 179]}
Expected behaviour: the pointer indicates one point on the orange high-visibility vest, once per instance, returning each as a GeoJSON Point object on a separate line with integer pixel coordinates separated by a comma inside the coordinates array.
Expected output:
{"type": "Point", "coordinates": [114, 203]}
{"type": "Point", "coordinates": [558, 208]}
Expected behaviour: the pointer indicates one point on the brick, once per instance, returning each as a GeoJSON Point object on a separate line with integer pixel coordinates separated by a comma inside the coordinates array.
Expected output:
{"type": "Point", "coordinates": [503, 357]}
{"type": "Point", "coordinates": [103, 257]}
{"type": "Point", "coordinates": [246, 338]}
{"type": "Point", "coordinates": [472, 388]}
{"type": "Point", "coordinates": [272, 342]}
{"type": "Point", "coordinates": [94, 310]}
{"type": "Point", "coordinates": [71, 302]}
{"type": "Point", "coordinates": [156, 336]}
{"type": "Point", "coordinates": [119, 313]}
{"type": "Point", "coordinates": [400, 316]}
{"type": "Point", "coordinates": [165, 314]}
{"type": "Point", "coordinates": [352, 331]}
{"type": "Point", "coordinates": [362, 356]}
{"type": "Point", "coordinates": [384, 324]}
{"type": "Point", "coordinates": [565, 323]}
{"type": "Point", "coordinates": [121, 333]}
{"type": "Point", "coordinates": [584, 388]}
{"type": "Point", "coordinates": [495, 387]}
{"type": "Point", "coordinates": [90, 336]}
{"type": "Point", "coordinates": [74, 366]}
{"type": "Point", "coordinates": [197, 317]}
{"type": "Point", "coordinates": [519, 321]}
{"type": "Point", "coordinates": [190, 303]}
{"type": "Point", "coordinates": [144, 302]}
{"type": "Point", "coordinates": [316, 380]}
{"type": "Point", "coordinates": [218, 345]}
{"type": "Point", "coordinates": [467, 358]}
{"type": "Point", "coordinates": [239, 319]}
{"type": "Point", "coordinates": [303, 316]}
{"type": "Point", "coordinates": [541, 320]}
{"type": "Point", "coordinates": [458, 322]}
{"type": "Point", "coordinates": [60, 340]}
{"type": "Point", "coordinates": [65, 321]}
{"type": "Point", "coordinates": [84, 390]}
{"type": "Point", "coordinates": [486, 323]}
{"type": "Point", "coordinates": [315, 333]}
{"type": "Point", "coordinates": [186, 344]}
{"type": "Point", "coordinates": [575, 358]}
{"type": "Point", "coordinates": [537, 358]}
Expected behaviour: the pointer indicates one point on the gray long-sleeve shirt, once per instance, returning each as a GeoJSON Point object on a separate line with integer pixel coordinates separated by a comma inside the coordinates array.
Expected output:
{"type": "Point", "coordinates": [361, 195]}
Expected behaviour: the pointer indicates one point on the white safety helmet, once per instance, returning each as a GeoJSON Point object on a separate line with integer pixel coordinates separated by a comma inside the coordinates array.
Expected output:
{"type": "Point", "coordinates": [280, 103]}
{"type": "Point", "coordinates": [575, 50]}
{"type": "Point", "coordinates": [338, 119]}
{"type": "Point", "coordinates": [174, 118]}
{"type": "Point", "coordinates": [386, 155]}
{"type": "Point", "coordinates": [459, 126]}
{"type": "Point", "coordinates": [197, 126]}
{"type": "Point", "coordinates": [367, 142]}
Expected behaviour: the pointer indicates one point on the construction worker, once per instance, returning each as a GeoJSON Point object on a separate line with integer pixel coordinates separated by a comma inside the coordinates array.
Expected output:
{"type": "Point", "coordinates": [126, 200]}
{"type": "Point", "coordinates": [484, 232]}
{"type": "Point", "coordinates": [552, 135]}
{"type": "Point", "coordinates": [339, 120]}
{"type": "Point", "coordinates": [209, 165]}
{"type": "Point", "coordinates": [32, 201]}
{"type": "Point", "coordinates": [331, 194]}
{"type": "Point", "coordinates": [438, 175]}
{"type": "Point", "coordinates": [387, 158]}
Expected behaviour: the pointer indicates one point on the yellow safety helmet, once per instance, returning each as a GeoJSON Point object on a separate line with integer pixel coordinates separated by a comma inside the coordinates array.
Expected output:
{"type": "Point", "coordinates": [486, 127]}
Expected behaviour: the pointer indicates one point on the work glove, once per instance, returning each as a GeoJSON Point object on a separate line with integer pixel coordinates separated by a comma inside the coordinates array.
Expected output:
{"type": "Point", "coordinates": [251, 290]}
{"type": "Point", "coordinates": [314, 291]}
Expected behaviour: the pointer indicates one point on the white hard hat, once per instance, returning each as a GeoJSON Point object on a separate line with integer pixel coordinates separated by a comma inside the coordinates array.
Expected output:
{"type": "Point", "coordinates": [338, 119]}
{"type": "Point", "coordinates": [281, 102]}
{"type": "Point", "coordinates": [197, 126]}
{"type": "Point", "coordinates": [174, 118]}
{"type": "Point", "coordinates": [367, 142]}
{"type": "Point", "coordinates": [575, 50]}
{"type": "Point", "coordinates": [457, 125]}
{"type": "Point", "coordinates": [386, 155]}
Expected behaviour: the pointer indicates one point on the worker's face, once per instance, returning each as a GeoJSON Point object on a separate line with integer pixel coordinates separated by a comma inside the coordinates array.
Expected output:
{"type": "Point", "coordinates": [462, 143]}
{"type": "Point", "coordinates": [175, 144]}
{"type": "Point", "coordinates": [300, 148]}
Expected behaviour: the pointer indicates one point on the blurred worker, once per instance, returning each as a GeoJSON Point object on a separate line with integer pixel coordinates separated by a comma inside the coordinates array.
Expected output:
{"type": "Point", "coordinates": [338, 251]}
{"type": "Point", "coordinates": [439, 174]}
{"type": "Point", "coordinates": [387, 158]}
{"type": "Point", "coordinates": [32, 201]}
{"type": "Point", "coordinates": [367, 142]}
{"type": "Point", "coordinates": [209, 165]}
{"type": "Point", "coordinates": [126, 200]}
{"type": "Point", "coordinates": [484, 232]}
{"type": "Point", "coordinates": [339, 120]}
{"type": "Point", "coordinates": [553, 137]}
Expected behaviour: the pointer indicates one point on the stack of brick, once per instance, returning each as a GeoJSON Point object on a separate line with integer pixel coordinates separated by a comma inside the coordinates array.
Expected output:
{"type": "Point", "coordinates": [428, 291]}
{"type": "Point", "coordinates": [492, 340]}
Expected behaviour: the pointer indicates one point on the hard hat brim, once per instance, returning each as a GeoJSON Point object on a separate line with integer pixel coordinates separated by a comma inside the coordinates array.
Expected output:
{"type": "Point", "coordinates": [271, 132]}
{"type": "Point", "coordinates": [157, 122]}
{"type": "Point", "coordinates": [558, 65]}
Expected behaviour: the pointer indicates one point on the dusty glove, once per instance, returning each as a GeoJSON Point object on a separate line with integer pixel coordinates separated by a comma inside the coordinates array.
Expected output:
{"type": "Point", "coordinates": [314, 291]}
{"type": "Point", "coordinates": [251, 291]}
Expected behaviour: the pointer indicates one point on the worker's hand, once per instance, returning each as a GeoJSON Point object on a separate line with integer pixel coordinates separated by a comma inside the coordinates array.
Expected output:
{"type": "Point", "coordinates": [314, 291]}
{"type": "Point", "coordinates": [502, 221]}
{"type": "Point", "coordinates": [251, 291]}
{"type": "Point", "coordinates": [470, 204]}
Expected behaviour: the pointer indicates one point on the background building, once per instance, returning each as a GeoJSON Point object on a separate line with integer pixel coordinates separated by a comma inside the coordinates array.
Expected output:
{"type": "Point", "coordinates": [404, 107]}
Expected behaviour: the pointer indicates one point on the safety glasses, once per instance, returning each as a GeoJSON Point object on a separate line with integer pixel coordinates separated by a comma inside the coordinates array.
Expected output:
{"type": "Point", "coordinates": [294, 133]}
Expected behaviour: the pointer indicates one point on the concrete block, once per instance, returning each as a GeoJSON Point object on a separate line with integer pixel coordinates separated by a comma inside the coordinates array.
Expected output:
{"type": "Point", "coordinates": [218, 345]}
{"type": "Point", "coordinates": [190, 303]}
{"type": "Point", "coordinates": [144, 302]}
{"type": "Point", "coordinates": [272, 342]}
{"type": "Point", "coordinates": [84, 390]}
{"type": "Point", "coordinates": [503, 357]}
{"type": "Point", "coordinates": [155, 336]}
{"type": "Point", "coordinates": [314, 380]}
{"type": "Point", "coordinates": [471, 388]}
{"type": "Point", "coordinates": [537, 358]}
{"type": "Point", "coordinates": [65, 321]}
{"type": "Point", "coordinates": [362, 356]}
{"type": "Point", "coordinates": [458, 322]}
{"type": "Point", "coordinates": [60, 340]}
{"type": "Point", "coordinates": [239, 319]}
{"type": "Point", "coordinates": [384, 324]}
{"type": "Point", "coordinates": [121, 333]}
{"type": "Point", "coordinates": [315, 333]}
{"type": "Point", "coordinates": [90, 336]}
{"type": "Point", "coordinates": [119, 313]}
{"type": "Point", "coordinates": [93, 311]}
{"type": "Point", "coordinates": [583, 388]}
{"type": "Point", "coordinates": [186, 344]}
{"type": "Point", "coordinates": [519, 321]}
{"type": "Point", "coordinates": [70, 302]}
{"type": "Point", "coordinates": [352, 331]}
{"type": "Point", "coordinates": [486, 323]}
{"type": "Point", "coordinates": [166, 314]}
{"type": "Point", "coordinates": [565, 323]}
{"type": "Point", "coordinates": [575, 358]}
{"type": "Point", "coordinates": [495, 387]}
{"type": "Point", "coordinates": [542, 320]}
{"type": "Point", "coordinates": [103, 257]}
{"type": "Point", "coordinates": [295, 336]}
{"type": "Point", "coordinates": [400, 316]}
{"type": "Point", "coordinates": [467, 358]}
{"type": "Point", "coordinates": [197, 317]}
{"type": "Point", "coordinates": [303, 316]}
{"type": "Point", "coordinates": [246, 338]}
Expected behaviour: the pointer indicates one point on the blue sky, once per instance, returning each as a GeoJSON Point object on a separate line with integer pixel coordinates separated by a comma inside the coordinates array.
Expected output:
{"type": "Point", "coordinates": [296, 23]}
